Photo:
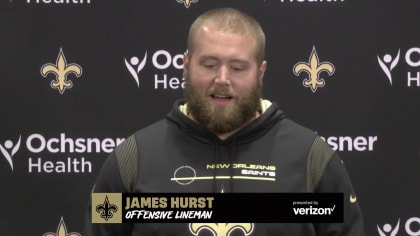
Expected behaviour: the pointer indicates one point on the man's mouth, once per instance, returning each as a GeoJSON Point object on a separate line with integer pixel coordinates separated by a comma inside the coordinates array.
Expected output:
{"type": "Point", "coordinates": [219, 99]}
{"type": "Point", "coordinates": [218, 96]}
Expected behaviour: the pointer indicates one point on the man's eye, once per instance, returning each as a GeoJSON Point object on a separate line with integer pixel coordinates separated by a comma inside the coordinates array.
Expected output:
{"type": "Point", "coordinates": [238, 68]}
{"type": "Point", "coordinates": [210, 66]}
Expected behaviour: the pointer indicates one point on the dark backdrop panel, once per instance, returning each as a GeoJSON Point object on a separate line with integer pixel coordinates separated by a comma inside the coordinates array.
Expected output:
{"type": "Point", "coordinates": [49, 153]}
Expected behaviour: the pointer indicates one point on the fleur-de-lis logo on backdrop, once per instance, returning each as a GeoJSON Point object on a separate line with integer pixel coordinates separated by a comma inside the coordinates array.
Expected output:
{"type": "Point", "coordinates": [106, 209]}
{"type": "Point", "coordinates": [221, 229]}
{"type": "Point", "coordinates": [61, 230]}
{"type": "Point", "coordinates": [313, 69]}
{"type": "Point", "coordinates": [61, 70]}
{"type": "Point", "coordinates": [187, 3]}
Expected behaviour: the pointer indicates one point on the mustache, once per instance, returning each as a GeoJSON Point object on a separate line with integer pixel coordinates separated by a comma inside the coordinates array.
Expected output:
{"type": "Point", "coordinates": [221, 90]}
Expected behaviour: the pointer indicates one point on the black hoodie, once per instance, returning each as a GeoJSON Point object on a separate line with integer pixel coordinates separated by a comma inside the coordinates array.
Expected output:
{"type": "Point", "coordinates": [268, 155]}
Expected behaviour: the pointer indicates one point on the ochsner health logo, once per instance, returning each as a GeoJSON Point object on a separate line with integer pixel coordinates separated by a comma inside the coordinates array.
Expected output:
{"type": "Point", "coordinates": [57, 154]}
{"type": "Point", "coordinates": [9, 149]}
{"type": "Point", "coordinates": [388, 62]}
{"type": "Point", "coordinates": [134, 66]}
{"type": "Point", "coordinates": [411, 228]}
{"type": "Point", "coordinates": [163, 62]}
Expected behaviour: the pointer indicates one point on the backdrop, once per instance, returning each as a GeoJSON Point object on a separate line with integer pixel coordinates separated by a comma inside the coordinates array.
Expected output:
{"type": "Point", "coordinates": [78, 76]}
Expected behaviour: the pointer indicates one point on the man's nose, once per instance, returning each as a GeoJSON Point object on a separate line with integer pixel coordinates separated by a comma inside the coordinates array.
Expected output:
{"type": "Point", "coordinates": [223, 76]}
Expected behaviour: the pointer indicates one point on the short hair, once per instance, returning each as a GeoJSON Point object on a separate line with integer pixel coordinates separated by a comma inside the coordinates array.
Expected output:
{"type": "Point", "coordinates": [229, 20]}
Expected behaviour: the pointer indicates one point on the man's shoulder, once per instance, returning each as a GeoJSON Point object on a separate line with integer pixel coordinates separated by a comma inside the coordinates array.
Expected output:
{"type": "Point", "coordinates": [155, 127]}
{"type": "Point", "coordinates": [150, 133]}
{"type": "Point", "coordinates": [296, 127]}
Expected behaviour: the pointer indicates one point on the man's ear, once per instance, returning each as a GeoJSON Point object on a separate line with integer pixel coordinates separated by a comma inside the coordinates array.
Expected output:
{"type": "Point", "coordinates": [261, 70]}
{"type": "Point", "coordinates": [186, 63]}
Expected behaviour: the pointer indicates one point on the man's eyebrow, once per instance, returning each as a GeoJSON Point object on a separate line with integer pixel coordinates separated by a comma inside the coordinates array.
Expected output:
{"type": "Point", "coordinates": [239, 61]}
{"type": "Point", "coordinates": [207, 57]}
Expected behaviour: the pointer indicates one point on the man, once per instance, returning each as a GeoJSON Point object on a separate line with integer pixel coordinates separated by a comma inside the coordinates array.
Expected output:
{"type": "Point", "coordinates": [221, 124]}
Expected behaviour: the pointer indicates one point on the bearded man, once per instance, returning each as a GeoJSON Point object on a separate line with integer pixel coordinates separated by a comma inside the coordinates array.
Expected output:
{"type": "Point", "coordinates": [220, 130]}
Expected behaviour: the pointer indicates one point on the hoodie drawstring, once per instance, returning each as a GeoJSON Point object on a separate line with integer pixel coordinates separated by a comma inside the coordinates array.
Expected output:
{"type": "Point", "coordinates": [219, 184]}
{"type": "Point", "coordinates": [217, 159]}
{"type": "Point", "coordinates": [231, 159]}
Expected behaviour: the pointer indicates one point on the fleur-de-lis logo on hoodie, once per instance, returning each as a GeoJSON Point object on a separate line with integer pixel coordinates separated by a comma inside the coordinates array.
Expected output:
{"type": "Point", "coordinates": [313, 69]}
{"type": "Point", "coordinates": [221, 229]}
{"type": "Point", "coordinates": [61, 230]}
{"type": "Point", "coordinates": [61, 70]}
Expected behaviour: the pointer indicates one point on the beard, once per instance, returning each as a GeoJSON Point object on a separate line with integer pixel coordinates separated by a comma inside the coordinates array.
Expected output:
{"type": "Point", "coordinates": [222, 119]}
